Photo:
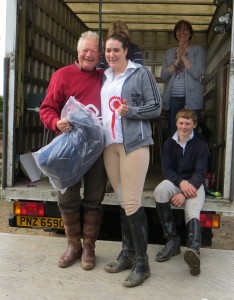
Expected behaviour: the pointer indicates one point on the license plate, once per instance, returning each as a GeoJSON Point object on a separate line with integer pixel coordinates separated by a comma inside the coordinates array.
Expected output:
{"type": "Point", "coordinates": [39, 222]}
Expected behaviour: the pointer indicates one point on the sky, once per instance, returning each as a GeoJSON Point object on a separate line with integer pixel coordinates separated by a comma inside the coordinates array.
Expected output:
{"type": "Point", "coordinates": [2, 40]}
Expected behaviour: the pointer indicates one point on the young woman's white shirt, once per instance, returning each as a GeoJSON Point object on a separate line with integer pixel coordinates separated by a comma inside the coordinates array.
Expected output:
{"type": "Point", "coordinates": [111, 90]}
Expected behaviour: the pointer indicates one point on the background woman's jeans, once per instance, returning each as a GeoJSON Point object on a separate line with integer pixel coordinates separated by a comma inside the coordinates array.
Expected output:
{"type": "Point", "coordinates": [176, 104]}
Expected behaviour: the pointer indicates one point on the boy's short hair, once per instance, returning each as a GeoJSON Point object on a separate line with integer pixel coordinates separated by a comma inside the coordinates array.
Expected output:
{"type": "Point", "coordinates": [187, 113]}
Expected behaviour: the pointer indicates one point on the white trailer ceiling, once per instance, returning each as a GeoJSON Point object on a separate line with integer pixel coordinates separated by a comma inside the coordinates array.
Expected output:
{"type": "Point", "coordinates": [159, 15]}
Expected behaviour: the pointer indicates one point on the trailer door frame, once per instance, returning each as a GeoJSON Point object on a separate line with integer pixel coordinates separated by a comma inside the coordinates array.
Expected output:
{"type": "Point", "coordinates": [229, 155]}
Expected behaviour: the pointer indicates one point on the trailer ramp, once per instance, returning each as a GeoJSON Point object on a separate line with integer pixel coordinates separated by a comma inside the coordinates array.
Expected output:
{"type": "Point", "coordinates": [28, 270]}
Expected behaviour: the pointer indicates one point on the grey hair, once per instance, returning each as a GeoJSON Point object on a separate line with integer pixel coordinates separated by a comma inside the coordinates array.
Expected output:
{"type": "Point", "coordinates": [87, 34]}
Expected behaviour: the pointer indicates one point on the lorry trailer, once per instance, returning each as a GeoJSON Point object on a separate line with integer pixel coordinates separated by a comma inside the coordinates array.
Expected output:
{"type": "Point", "coordinates": [41, 37]}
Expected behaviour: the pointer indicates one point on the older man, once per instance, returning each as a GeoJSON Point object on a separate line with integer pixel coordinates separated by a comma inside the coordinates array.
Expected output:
{"type": "Point", "coordinates": [83, 81]}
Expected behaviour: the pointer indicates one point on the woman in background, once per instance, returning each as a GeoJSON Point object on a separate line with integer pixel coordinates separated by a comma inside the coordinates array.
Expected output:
{"type": "Point", "coordinates": [182, 70]}
{"type": "Point", "coordinates": [134, 52]}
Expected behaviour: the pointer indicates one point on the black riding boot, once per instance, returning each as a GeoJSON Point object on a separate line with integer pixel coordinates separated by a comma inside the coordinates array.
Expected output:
{"type": "Point", "coordinates": [172, 246]}
{"type": "Point", "coordinates": [139, 230]}
{"type": "Point", "coordinates": [126, 257]}
{"type": "Point", "coordinates": [192, 253]}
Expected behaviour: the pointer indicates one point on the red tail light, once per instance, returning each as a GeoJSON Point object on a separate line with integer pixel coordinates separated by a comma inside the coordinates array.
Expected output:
{"type": "Point", "coordinates": [29, 209]}
{"type": "Point", "coordinates": [210, 220]}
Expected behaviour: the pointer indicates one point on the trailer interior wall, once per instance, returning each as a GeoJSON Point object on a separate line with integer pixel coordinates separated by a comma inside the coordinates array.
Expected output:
{"type": "Point", "coordinates": [218, 116]}
{"type": "Point", "coordinates": [41, 37]}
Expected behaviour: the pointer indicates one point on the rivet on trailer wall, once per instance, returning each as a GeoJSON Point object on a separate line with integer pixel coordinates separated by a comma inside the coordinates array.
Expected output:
{"type": "Point", "coordinates": [218, 2]}
{"type": "Point", "coordinates": [223, 22]}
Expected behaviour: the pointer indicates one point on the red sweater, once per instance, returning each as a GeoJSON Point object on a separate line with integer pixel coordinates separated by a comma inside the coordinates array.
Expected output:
{"type": "Point", "coordinates": [69, 81]}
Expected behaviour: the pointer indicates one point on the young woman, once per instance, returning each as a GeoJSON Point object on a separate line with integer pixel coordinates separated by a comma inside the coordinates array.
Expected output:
{"type": "Point", "coordinates": [129, 98]}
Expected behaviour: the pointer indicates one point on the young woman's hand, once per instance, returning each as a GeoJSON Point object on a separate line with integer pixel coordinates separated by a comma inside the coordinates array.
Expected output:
{"type": "Point", "coordinates": [123, 108]}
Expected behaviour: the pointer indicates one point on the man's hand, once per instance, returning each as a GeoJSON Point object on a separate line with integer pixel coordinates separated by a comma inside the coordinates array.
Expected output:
{"type": "Point", "coordinates": [63, 125]}
{"type": "Point", "coordinates": [188, 189]}
{"type": "Point", "coordinates": [178, 200]}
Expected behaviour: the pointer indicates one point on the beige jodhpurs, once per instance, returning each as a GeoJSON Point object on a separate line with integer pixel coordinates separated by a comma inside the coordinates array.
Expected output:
{"type": "Point", "coordinates": [127, 174]}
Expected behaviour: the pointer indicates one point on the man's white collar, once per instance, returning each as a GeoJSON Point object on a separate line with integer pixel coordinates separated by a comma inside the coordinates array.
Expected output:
{"type": "Point", "coordinates": [176, 137]}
